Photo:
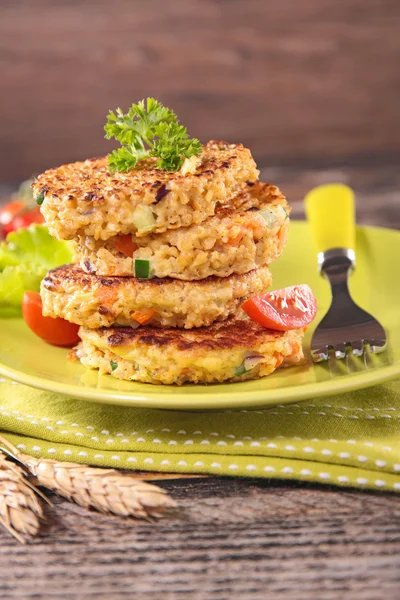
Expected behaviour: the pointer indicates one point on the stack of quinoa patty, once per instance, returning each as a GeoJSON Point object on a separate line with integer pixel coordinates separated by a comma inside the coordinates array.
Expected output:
{"type": "Point", "coordinates": [164, 261]}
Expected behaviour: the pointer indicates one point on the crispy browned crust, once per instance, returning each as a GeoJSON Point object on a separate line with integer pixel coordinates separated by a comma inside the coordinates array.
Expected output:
{"type": "Point", "coordinates": [207, 355]}
{"type": "Point", "coordinates": [255, 196]}
{"type": "Point", "coordinates": [93, 183]}
{"type": "Point", "coordinates": [96, 301]}
{"type": "Point", "coordinates": [234, 332]}
{"type": "Point", "coordinates": [66, 276]}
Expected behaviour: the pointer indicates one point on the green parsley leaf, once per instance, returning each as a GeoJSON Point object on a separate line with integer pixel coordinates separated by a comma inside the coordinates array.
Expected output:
{"type": "Point", "coordinates": [149, 129]}
{"type": "Point", "coordinates": [113, 365]}
{"type": "Point", "coordinates": [173, 145]}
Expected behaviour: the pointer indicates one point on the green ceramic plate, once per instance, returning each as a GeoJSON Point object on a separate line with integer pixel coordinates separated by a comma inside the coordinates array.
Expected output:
{"type": "Point", "coordinates": [375, 285]}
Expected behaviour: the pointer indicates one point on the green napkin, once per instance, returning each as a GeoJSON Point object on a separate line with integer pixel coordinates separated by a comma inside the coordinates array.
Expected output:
{"type": "Point", "coordinates": [348, 440]}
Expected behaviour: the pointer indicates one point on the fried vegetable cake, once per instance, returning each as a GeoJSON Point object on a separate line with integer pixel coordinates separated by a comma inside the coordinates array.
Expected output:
{"type": "Point", "coordinates": [93, 301]}
{"type": "Point", "coordinates": [86, 198]}
{"type": "Point", "coordinates": [232, 350]}
{"type": "Point", "coordinates": [236, 239]}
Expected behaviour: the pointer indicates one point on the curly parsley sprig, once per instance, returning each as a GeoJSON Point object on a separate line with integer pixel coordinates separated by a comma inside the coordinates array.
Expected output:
{"type": "Point", "coordinates": [149, 129]}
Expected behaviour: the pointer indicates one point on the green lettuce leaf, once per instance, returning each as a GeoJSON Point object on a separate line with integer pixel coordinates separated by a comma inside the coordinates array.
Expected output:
{"type": "Point", "coordinates": [25, 258]}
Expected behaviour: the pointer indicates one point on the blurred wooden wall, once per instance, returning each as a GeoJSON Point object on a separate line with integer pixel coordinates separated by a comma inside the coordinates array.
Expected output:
{"type": "Point", "coordinates": [296, 80]}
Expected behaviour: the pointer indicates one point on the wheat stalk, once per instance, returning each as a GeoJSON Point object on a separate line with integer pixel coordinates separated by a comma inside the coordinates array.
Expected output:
{"type": "Point", "coordinates": [20, 511]}
{"type": "Point", "coordinates": [107, 490]}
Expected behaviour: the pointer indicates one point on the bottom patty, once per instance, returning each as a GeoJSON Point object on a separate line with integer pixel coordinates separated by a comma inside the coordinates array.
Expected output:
{"type": "Point", "coordinates": [232, 350]}
{"type": "Point", "coordinates": [93, 301]}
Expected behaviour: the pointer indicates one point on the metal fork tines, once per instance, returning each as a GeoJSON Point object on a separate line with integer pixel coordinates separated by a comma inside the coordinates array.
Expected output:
{"type": "Point", "coordinates": [346, 327]}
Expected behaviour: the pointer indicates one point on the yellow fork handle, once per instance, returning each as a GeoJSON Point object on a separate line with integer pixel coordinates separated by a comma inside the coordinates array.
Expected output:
{"type": "Point", "coordinates": [330, 210]}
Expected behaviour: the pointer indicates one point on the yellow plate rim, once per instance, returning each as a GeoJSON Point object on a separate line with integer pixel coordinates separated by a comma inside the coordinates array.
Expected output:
{"type": "Point", "coordinates": [251, 399]}
{"type": "Point", "coordinates": [212, 399]}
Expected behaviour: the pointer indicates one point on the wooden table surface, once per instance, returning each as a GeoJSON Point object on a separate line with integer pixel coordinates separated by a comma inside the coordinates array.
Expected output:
{"type": "Point", "coordinates": [231, 538]}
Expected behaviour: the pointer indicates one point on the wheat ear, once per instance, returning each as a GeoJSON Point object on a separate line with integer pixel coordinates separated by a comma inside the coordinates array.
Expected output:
{"type": "Point", "coordinates": [107, 490]}
{"type": "Point", "coordinates": [20, 511]}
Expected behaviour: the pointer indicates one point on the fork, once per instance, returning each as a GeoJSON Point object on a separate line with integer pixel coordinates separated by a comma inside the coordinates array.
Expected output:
{"type": "Point", "coordinates": [346, 328]}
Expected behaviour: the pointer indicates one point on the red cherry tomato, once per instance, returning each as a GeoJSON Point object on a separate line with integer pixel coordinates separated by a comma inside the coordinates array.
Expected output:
{"type": "Point", "coordinates": [25, 219]}
{"type": "Point", "coordinates": [15, 215]}
{"type": "Point", "coordinates": [57, 332]}
{"type": "Point", "coordinates": [282, 310]}
{"type": "Point", "coordinates": [10, 210]}
{"type": "Point", "coordinates": [8, 213]}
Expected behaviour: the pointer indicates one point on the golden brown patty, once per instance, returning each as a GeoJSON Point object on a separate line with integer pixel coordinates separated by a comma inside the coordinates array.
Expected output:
{"type": "Point", "coordinates": [232, 350]}
{"type": "Point", "coordinates": [86, 198]}
{"type": "Point", "coordinates": [236, 239]}
{"type": "Point", "coordinates": [93, 301]}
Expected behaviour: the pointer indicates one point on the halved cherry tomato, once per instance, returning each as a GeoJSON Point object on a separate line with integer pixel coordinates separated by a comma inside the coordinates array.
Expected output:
{"type": "Point", "coordinates": [57, 332]}
{"type": "Point", "coordinates": [282, 310]}
{"type": "Point", "coordinates": [125, 245]}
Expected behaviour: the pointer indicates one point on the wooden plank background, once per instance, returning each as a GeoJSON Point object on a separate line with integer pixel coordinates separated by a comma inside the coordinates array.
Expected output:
{"type": "Point", "coordinates": [296, 80]}
{"type": "Point", "coordinates": [241, 539]}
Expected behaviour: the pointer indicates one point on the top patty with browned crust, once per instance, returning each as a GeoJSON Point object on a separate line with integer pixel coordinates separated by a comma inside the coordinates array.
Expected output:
{"type": "Point", "coordinates": [86, 198]}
